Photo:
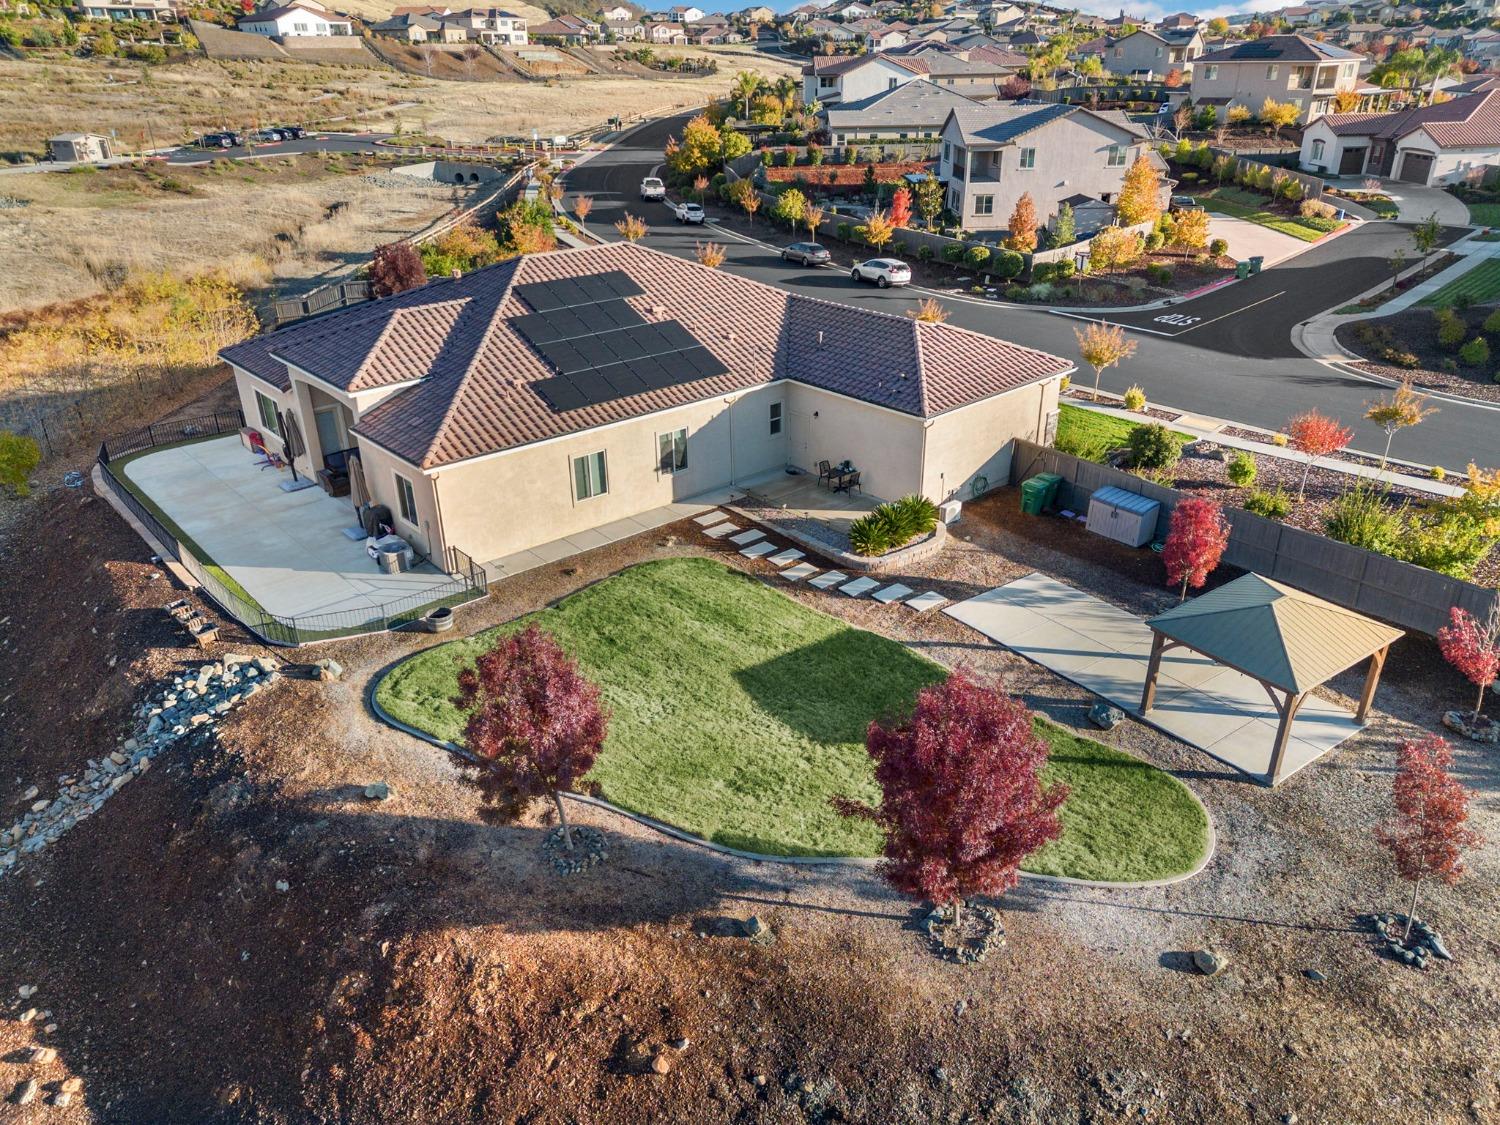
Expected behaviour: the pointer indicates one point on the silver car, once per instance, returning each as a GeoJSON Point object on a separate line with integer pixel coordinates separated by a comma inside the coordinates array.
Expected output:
{"type": "Point", "coordinates": [884, 272]}
{"type": "Point", "coordinates": [808, 253]}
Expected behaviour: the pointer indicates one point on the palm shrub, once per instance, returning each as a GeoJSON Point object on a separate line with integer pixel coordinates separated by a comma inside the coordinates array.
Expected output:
{"type": "Point", "coordinates": [1153, 447]}
{"type": "Point", "coordinates": [1241, 469]}
{"type": "Point", "coordinates": [893, 525]}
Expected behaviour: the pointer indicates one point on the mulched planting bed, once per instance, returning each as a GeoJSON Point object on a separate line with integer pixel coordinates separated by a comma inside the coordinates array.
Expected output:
{"type": "Point", "coordinates": [1415, 331]}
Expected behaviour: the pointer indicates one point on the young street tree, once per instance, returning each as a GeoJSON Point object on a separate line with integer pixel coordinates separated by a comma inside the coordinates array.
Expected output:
{"type": "Point", "coordinates": [962, 801]}
{"type": "Point", "coordinates": [534, 721]}
{"type": "Point", "coordinates": [395, 268]}
{"type": "Point", "coordinates": [1426, 235]}
{"type": "Point", "coordinates": [877, 230]}
{"type": "Point", "coordinates": [901, 207]}
{"type": "Point", "coordinates": [1473, 647]}
{"type": "Point", "coordinates": [930, 200]}
{"type": "Point", "coordinates": [631, 228]}
{"type": "Point", "coordinates": [1022, 234]}
{"type": "Point", "coordinates": [709, 254]}
{"type": "Point", "coordinates": [582, 206]}
{"type": "Point", "coordinates": [812, 219]}
{"type": "Point", "coordinates": [791, 206]}
{"type": "Point", "coordinates": [1429, 833]}
{"type": "Point", "coordinates": [1401, 408]}
{"type": "Point", "coordinates": [1140, 194]}
{"type": "Point", "coordinates": [1196, 538]}
{"type": "Point", "coordinates": [1315, 435]}
{"type": "Point", "coordinates": [1103, 346]}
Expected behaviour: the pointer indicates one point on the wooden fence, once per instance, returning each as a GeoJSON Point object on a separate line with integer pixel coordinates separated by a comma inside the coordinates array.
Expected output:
{"type": "Point", "coordinates": [1405, 595]}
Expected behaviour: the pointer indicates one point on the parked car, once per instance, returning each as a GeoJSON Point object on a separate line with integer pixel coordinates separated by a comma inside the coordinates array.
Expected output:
{"type": "Point", "coordinates": [689, 213]}
{"type": "Point", "coordinates": [267, 136]}
{"type": "Point", "coordinates": [808, 253]}
{"type": "Point", "coordinates": [1185, 203]}
{"type": "Point", "coordinates": [884, 272]}
{"type": "Point", "coordinates": [292, 132]}
{"type": "Point", "coordinates": [221, 140]}
{"type": "Point", "coordinates": [653, 188]}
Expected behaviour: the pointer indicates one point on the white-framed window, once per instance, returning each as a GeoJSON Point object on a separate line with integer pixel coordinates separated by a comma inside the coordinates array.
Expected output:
{"type": "Point", "coordinates": [775, 418]}
{"type": "Point", "coordinates": [947, 152]}
{"type": "Point", "coordinates": [1317, 149]}
{"type": "Point", "coordinates": [1211, 73]}
{"type": "Point", "coordinates": [1272, 72]}
{"type": "Point", "coordinates": [1119, 52]}
{"type": "Point", "coordinates": [1117, 154]}
{"type": "Point", "coordinates": [406, 499]}
{"type": "Point", "coordinates": [267, 409]}
{"type": "Point", "coordinates": [984, 205]}
{"type": "Point", "coordinates": [590, 476]}
{"type": "Point", "coordinates": [671, 451]}
{"type": "Point", "coordinates": [1028, 158]}
{"type": "Point", "coordinates": [1158, 52]}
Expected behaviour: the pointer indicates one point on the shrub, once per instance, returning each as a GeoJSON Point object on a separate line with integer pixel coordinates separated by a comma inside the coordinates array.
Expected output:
{"type": "Point", "coordinates": [1218, 247]}
{"type": "Point", "coordinates": [19, 457]}
{"type": "Point", "coordinates": [924, 253]}
{"type": "Point", "coordinates": [1154, 241]}
{"type": "Point", "coordinates": [893, 525]}
{"type": "Point", "coordinates": [1159, 275]}
{"type": "Point", "coordinates": [1398, 358]}
{"type": "Point", "coordinates": [1476, 352]}
{"type": "Point", "coordinates": [1273, 505]}
{"type": "Point", "coordinates": [844, 231]}
{"type": "Point", "coordinates": [1153, 446]}
{"type": "Point", "coordinates": [977, 257]}
{"type": "Point", "coordinates": [1007, 263]}
{"type": "Point", "coordinates": [1362, 518]}
{"type": "Point", "coordinates": [1064, 270]}
{"type": "Point", "coordinates": [953, 254]}
{"type": "Point", "coordinates": [1135, 398]}
{"type": "Point", "coordinates": [1451, 329]}
{"type": "Point", "coordinates": [1492, 322]}
{"type": "Point", "coordinates": [1317, 223]}
{"type": "Point", "coordinates": [1078, 446]}
{"type": "Point", "coordinates": [1437, 472]}
{"type": "Point", "coordinates": [1315, 208]}
{"type": "Point", "coordinates": [1241, 469]}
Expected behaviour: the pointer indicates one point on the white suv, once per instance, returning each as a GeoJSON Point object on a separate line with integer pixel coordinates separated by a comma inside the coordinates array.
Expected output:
{"type": "Point", "coordinates": [884, 272]}
{"type": "Point", "coordinates": [689, 213]}
{"type": "Point", "coordinates": [653, 188]}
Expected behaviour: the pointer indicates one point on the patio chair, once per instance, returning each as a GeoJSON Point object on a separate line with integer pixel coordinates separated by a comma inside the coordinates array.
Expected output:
{"type": "Point", "coordinates": [825, 472]}
{"type": "Point", "coordinates": [850, 481]}
{"type": "Point", "coordinates": [334, 475]}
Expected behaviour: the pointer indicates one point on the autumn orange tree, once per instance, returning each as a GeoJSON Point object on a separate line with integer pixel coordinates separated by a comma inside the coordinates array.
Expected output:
{"type": "Point", "coordinates": [1022, 233]}
{"type": "Point", "coordinates": [631, 228]}
{"type": "Point", "coordinates": [1315, 435]}
{"type": "Point", "coordinates": [901, 207]}
{"type": "Point", "coordinates": [1429, 832]}
{"type": "Point", "coordinates": [1140, 194]}
{"type": "Point", "coordinates": [1197, 535]}
{"type": "Point", "coordinates": [1103, 346]}
{"type": "Point", "coordinates": [812, 218]}
{"type": "Point", "coordinates": [1401, 408]}
{"type": "Point", "coordinates": [582, 206]}
{"type": "Point", "coordinates": [877, 230]}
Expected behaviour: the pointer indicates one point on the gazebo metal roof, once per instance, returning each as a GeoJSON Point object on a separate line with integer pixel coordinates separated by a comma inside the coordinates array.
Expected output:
{"type": "Point", "coordinates": [1279, 635]}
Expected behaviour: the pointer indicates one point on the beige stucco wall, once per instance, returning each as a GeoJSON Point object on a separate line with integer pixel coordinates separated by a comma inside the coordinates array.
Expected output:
{"type": "Point", "coordinates": [884, 445]}
{"type": "Point", "coordinates": [978, 440]}
{"type": "Point", "coordinates": [246, 385]}
{"type": "Point", "coordinates": [380, 469]}
{"type": "Point", "coordinates": [495, 506]}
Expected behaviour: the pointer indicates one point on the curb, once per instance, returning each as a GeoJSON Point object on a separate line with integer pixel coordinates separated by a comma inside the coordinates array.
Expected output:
{"type": "Point", "coordinates": [857, 862]}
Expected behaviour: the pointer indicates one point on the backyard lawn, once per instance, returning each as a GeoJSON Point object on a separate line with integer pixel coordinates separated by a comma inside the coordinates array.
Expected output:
{"type": "Point", "coordinates": [1480, 285]}
{"type": "Point", "coordinates": [1081, 428]}
{"type": "Point", "coordinates": [1250, 207]}
{"type": "Point", "coordinates": [737, 712]}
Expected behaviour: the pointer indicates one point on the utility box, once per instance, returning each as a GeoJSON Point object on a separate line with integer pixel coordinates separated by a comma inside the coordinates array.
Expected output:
{"type": "Point", "coordinates": [1125, 517]}
{"type": "Point", "coordinates": [950, 510]}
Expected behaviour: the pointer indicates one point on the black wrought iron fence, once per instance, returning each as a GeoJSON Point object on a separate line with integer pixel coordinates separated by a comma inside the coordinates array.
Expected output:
{"type": "Point", "coordinates": [169, 433]}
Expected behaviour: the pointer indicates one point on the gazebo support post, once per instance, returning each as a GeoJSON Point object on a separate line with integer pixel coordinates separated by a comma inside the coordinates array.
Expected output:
{"type": "Point", "coordinates": [1148, 693]}
{"type": "Point", "coordinates": [1372, 681]}
{"type": "Point", "coordinates": [1288, 710]}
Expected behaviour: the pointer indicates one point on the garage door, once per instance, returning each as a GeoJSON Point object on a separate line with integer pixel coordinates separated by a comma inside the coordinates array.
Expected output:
{"type": "Point", "coordinates": [1415, 168]}
{"type": "Point", "coordinates": [1352, 163]}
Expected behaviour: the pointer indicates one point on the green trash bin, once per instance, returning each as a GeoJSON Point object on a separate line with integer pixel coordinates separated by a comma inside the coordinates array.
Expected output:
{"type": "Point", "coordinates": [1039, 493]}
{"type": "Point", "coordinates": [1242, 270]}
{"type": "Point", "coordinates": [1257, 262]}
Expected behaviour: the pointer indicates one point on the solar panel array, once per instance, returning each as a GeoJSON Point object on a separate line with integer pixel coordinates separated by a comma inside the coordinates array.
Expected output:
{"type": "Point", "coordinates": [602, 348]}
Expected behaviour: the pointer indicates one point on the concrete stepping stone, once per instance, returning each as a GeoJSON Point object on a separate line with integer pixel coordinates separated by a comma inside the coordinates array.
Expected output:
{"type": "Point", "coordinates": [790, 555]}
{"type": "Point", "coordinates": [928, 601]}
{"type": "Point", "coordinates": [859, 587]}
{"type": "Point", "coordinates": [798, 572]}
{"type": "Point", "coordinates": [722, 530]}
{"type": "Point", "coordinates": [708, 519]}
{"type": "Point", "coordinates": [892, 593]}
{"type": "Point", "coordinates": [756, 550]}
{"type": "Point", "coordinates": [830, 578]}
{"type": "Point", "coordinates": [745, 537]}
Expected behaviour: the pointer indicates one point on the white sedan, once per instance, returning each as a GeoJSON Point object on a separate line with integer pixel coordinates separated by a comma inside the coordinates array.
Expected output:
{"type": "Point", "coordinates": [884, 272]}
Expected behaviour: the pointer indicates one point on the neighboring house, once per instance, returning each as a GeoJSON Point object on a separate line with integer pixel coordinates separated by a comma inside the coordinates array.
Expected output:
{"type": "Point", "coordinates": [159, 10]}
{"type": "Point", "coordinates": [79, 148]}
{"type": "Point", "coordinates": [1182, 21]}
{"type": "Point", "coordinates": [490, 25]}
{"type": "Point", "coordinates": [572, 30]}
{"type": "Point", "coordinates": [1145, 53]}
{"type": "Point", "coordinates": [913, 111]}
{"type": "Point", "coordinates": [875, 35]}
{"type": "Point", "coordinates": [713, 33]}
{"type": "Point", "coordinates": [295, 22]}
{"type": "Point", "coordinates": [997, 15]}
{"type": "Point", "coordinates": [1446, 143]}
{"type": "Point", "coordinates": [993, 154]}
{"type": "Point", "coordinates": [625, 29]}
{"type": "Point", "coordinates": [665, 33]}
{"type": "Point", "coordinates": [1287, 68]}
{"type": "Point", "coordinates": [618, 12]}
{"type": "Point", "coordinates": [490, 419]}
{"type": "Point", "coordinates": [409, 27]}
{"type": "Point", "coordinates": [853, 10]}
{"type": "Point", "coordinates": [827, 29]}
{"type": "Point", "coordinates": [758, 13]}
{"type": "Point", "coordinates": [681, 14]}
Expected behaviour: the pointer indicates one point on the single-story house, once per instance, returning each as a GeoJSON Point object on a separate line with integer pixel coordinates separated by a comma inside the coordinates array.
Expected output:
{"type": "Point", "coordinates": [1436, 144]}
{"type": "Point", "coordinates": [160, 10]}
{"type": "Point", "coordinates": [295, 21]}
{"type": "Point", "coordinates": [566, 28]}
{"type": "Point", "coordinates": [625, 29]}
{"type": "Point", "coordinates": [554, 393]}
{"type": "Point", "coordinates": [79, 148]}
{"type": "Point", "coordinates": [913, 111]}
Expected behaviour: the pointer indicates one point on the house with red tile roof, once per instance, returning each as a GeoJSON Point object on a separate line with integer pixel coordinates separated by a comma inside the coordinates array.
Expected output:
{"type": "Point", "coordinates": [1438, 144]}
{"type": "Point", "coordinates": [554, 393]}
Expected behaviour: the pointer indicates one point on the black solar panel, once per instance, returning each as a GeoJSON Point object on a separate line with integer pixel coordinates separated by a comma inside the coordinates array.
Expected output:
{"type": "Point", "coordinates": [601, 347]}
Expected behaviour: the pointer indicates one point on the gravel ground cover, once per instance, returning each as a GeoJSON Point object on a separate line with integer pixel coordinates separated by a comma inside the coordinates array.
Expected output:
{"type": "Point", "coordinates": [1415, 331]}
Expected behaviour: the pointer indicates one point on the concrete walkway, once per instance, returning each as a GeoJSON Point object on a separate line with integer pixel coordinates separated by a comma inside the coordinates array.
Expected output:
{"type": "Point", "coordinates": [605, 534]}
{"type": "Point", "coordinates": [1224, 713]}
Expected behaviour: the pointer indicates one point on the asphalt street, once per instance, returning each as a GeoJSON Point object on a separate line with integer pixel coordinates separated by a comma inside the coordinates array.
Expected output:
{"type": "Point", "coordinates": [313, 142]}
{"type": "Point", "coordinates": [1227, 354]}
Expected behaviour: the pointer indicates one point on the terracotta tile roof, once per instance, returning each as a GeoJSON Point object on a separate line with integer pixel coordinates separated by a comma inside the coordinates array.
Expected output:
{"type": "Point", "coordinates": [476, 394]}
{"type": "Point", "coordinates": [1471, 121]}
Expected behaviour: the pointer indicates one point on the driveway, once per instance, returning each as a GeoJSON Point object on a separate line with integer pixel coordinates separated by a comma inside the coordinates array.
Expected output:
{"type": "Point", "coordinates": [287, 549]}
{"type": "Point", "coordinates": [1247, 239]}
{"type": "Point", "coordinates": [1417, 202]}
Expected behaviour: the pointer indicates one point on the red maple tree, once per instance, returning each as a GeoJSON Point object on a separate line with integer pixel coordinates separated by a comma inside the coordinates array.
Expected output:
{"type": "Point", "coordinates": [1315, 435]}
{"type": "Point", "coordinates": [1473, 647]}
{"type": "Point", "coordinates": [1429, 832]}
{"type": "Point", "coordinates": [962, 799]}
{"type": "Point", "coordinates": [534, 721]}
{"type": "Point", "coordinates": [1196, 538]}
{"type": "Point", "coordinates": [396, 268]}
{"type": "Point", "coordinates": [901, 208]}
{"type": "Point", "coordinates": [1015, 87]}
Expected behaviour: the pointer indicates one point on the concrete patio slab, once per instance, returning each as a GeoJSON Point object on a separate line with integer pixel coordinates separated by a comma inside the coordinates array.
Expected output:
{"type": "Point", "coordinates": [830, 578]}
{"type": "Point", "coordinates": [790, 555]}
{"type": "Point", "coordinates": [859, 587]}
{"type": "Point", "coordinates": [747, 536]}
{"type": "Point", "coordinates": [286, 549]}
{"type": "Point", "coordinates": [925, 603]}
{"type": "Point", "coordinates": [721, 530]}
{"type": "Point", "coordinates": [708, 519]}
{"type": "Point", "coordinates": [799, 572]}
{"type": "Point", "coordinates": [1100, 647]}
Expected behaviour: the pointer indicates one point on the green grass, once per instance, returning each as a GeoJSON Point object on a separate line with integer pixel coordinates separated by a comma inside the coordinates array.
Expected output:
{"type": "Point", "coordinates": [1227, 201]}
{"type": "Point", "coordinates": [1090, 429]}
{"type": "Point", "coordinates": [738, 712]}
{"type": "Point", "coordinates": [1484, 214]}
{"type": "Point", "coordinates": [1481, 284]}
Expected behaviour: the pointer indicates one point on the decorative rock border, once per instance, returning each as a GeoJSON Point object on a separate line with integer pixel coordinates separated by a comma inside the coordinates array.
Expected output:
{"type": "Point", "coordinates": [920, 551]}
{"type": "Point", "coordinates": [992, 934]}
{"type": "Point", "coordinates": [183, 705]}
{"type": "Point", "coordinates": [589, 849]}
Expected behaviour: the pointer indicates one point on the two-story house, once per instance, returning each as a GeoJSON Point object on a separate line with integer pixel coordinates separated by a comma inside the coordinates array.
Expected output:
{"type": "Point", "coordinates": [1146, 54]}
{"type": "Point", "coordinates": [993, 154]}
{"type": "Point", "coordinates": [300, 19]}
{"type": "Point", "coordinates": [1285, 68]}
{"type": "Point", "coordinates": [830, 79]}
{"type": "Point", "coordinates": [489, 25]}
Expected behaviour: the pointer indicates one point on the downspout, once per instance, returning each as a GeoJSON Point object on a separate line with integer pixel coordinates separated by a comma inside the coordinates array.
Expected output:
{"type": "Point", "coordinates": [729, 401]}
{"type": "Point", "coordinates": [437, 503]}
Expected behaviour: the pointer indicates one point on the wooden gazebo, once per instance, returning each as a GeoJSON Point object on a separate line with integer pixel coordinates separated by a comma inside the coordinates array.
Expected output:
{"type": "Point", "coordinates": [1286, 639]}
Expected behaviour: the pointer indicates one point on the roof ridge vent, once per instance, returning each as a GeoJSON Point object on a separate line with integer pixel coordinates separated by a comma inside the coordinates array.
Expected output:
{"type": "Point", "coordinates": [820, 337]}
